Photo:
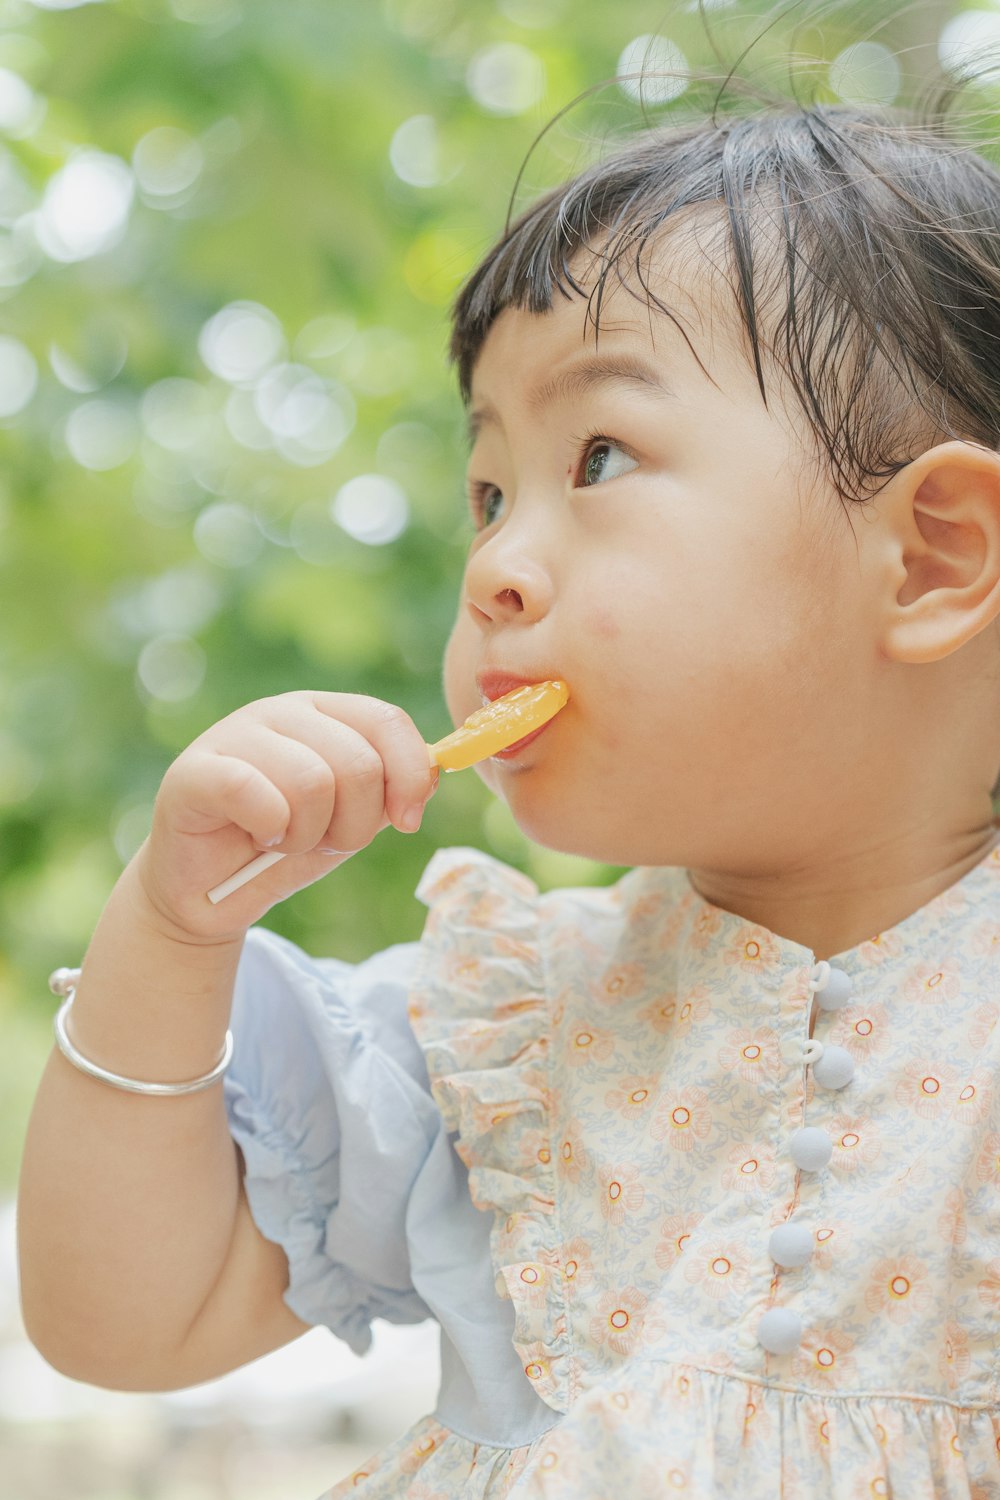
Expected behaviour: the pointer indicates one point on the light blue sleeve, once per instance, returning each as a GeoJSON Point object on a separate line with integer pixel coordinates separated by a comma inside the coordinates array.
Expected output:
{"type": "Point", "coordinates": [349, 1167]}
{"type": "Point", "coordinates": [328, 1099]}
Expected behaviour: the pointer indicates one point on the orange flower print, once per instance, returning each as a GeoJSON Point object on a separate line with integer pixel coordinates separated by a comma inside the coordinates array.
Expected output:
{"type": "Point", "coordinates": [951, 1220]}
{"type": "Point", "coordinates": [577, 1265]}
{"type": "Point", "coordinates": [757, 1424]}
{"type": "Point", "coordinates": [693, 1006]}
{"type": "Point", "coordinates": [660, 1013]}
{"type": "Point", "coordinates": [682, 1118]}
{"type": "Point", "coordinates": [587, 1043]}
{"type": "Point", "coordinates": [463, 970]}
{"type": "Point", "coordinates": [753, 1053]}
{"type": "Point", "coordinates": [750, 1169]}
{"type": "Point", "coordinates": [974, 1098]}
{"type": "Point", "coordinates": [909, 1180]}
{"type": "Point", "coordinates": [984, 1017]}
{"type": "Point", "coordinates": [537, 1365]}
{"type": "Point", "coordinates": [358, 1476]}
{"type": "Point", "coordinates": [753, 950]}
{"type": "Point", "coordinates": [675, 1232]}
{"type": "Point", "coordinates": [572, 1157]}
{"type": "Point", "coordinates": [864, 1033]}
{"type": "Point", "coordinates": [621, 1193]}
{"type": "Point", "coordinates": [555, 1462]}
{"type": "Point", "coordinates": [953, 1360]}
{"type": "Point", "coordinates": [882, 947]}
{"type": "Point", "coordinates": [719, 1270]}
{"type": "Point", "coordinates": [856, 1142]}
{"type": "Point", "coordinates": [618, 1320]}
{"type": "Point", "coordinates": [509, 947]}
{"type": "Point", "coordinates": [830, 1239]}
{"type": "Point", "coordinates": [988, 1160]}
{"type": "Point", "coordinates": [529, 1283]}
{"type": "Point", "coordinates": [707, 921]}
{"type": "Point", "coordinates": [429, 1436]}
{"type": "Point", "coordinates": [824, 1357]}
{"type": "Point", "coordinates": [532, 1148]}
{"type": "Point", "coordinates": [985, 941]}
{"type": "Point", "coordinates": [928, 1089]}
{"type": "Point", "coordinates": [898, 1288]}
{"type": "Point", "coordinates": [989, 1287]}
{"type": "Point", "coordinates": [621, 982]}
{"type": "Point", "coordinates": [932, 985]}
{"type": "Point", "coordinates": [634, 1096]}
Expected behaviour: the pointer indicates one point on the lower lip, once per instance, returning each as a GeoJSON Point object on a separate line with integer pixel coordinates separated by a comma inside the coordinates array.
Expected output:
{"type": "Point", "coordinates": [519, 745]}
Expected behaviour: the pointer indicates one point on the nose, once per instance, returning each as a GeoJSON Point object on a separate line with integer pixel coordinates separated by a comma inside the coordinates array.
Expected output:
{"type": "Point", "coordinates": [505, 585]}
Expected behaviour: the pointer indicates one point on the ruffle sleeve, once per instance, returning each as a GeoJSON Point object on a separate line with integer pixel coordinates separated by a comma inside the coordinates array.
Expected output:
{"type": "Point", "coordinates": [328, 1099]}
{"type": "Point", "coordinates": [479, 1009]}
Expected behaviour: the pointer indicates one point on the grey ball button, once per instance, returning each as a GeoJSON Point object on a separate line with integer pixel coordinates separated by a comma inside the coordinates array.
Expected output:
{"type": "Point", "coordinates": [780, 1330]}
{"type": "Point", "coordinates": [835, 1069]}
{"type": "Point", "coordinates": [811, 1148]}
{"type": "Point", "coordinates": [837, 991]}
{"type": "Point", "coordinates": [790, 1245]}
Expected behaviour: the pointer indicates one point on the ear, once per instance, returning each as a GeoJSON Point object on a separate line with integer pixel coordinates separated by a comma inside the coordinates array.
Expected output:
{"type": "Point", "coordinates": [942, 514]}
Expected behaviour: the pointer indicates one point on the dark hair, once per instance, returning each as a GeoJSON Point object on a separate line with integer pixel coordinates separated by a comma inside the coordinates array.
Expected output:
{"type": "Point", "coordinates": [862, 248]}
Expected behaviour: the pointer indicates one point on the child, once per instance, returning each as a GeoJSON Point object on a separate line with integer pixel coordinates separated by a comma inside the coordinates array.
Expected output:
{"type": "Point", "coordinates": [731, 1216]}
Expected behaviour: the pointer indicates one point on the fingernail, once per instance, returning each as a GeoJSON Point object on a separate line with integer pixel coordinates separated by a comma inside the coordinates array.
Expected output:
{"type": "Point", "coordinates": [410, 821]}
{"type": "Point", "coordinates": [270, 843]}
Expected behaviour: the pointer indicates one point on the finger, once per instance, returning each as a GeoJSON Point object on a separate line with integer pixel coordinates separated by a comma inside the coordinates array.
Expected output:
{"type": "Point", "coordinates": [353, 810]}
{"type": "Point", "coordinates": [204, 791]}
{"type": "Point", "coordinates": [301, 773]}
{"type": "Point", "coordinates": [409, 779]}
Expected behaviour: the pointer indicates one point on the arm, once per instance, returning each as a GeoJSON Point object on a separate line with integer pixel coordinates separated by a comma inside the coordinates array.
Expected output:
{"type": "Point", "coordinates": [141, 1267]}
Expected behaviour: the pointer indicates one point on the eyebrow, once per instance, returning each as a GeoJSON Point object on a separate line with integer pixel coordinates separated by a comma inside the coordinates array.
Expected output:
{"type": "Point", "coordinates": [588, 375]}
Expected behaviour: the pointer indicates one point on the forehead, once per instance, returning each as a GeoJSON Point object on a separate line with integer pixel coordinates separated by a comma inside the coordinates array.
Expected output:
{"type": "Point", "coordinates": [671, 322]}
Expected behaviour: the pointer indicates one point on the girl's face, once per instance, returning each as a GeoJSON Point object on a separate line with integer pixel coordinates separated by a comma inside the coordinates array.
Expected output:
{"type": "Point", "coordinates": [664, 544]}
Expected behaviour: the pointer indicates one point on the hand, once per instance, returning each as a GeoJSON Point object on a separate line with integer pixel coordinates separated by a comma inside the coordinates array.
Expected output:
{"type": "Point", "coordinates": [313, 775]}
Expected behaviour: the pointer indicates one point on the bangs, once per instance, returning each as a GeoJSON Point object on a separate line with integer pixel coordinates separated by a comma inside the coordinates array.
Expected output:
{"type": "Point", "coordinates": [860, 253]}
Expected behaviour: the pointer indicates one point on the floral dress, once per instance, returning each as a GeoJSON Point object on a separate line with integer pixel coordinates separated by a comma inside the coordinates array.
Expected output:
{"type": "Point", "coordinates": [743, 1207]}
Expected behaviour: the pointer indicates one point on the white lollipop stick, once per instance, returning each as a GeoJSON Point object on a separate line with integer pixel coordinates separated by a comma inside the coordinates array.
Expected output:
{"type": "Point", "coordinates": [255, 867]}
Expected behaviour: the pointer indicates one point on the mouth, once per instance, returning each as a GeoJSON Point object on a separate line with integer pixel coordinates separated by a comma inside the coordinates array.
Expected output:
{"type": "Point", "coordinates": [493, 684]}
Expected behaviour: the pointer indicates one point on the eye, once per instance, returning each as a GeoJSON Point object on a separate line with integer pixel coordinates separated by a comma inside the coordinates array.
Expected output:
{"type": "Point", "coordinates": [605, 459]}
{"type": "Point", "coordinates": [485, 502]}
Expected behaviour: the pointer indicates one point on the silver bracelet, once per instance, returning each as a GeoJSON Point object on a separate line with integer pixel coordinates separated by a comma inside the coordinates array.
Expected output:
{"type": "Point", "coordinates": [63, 982]}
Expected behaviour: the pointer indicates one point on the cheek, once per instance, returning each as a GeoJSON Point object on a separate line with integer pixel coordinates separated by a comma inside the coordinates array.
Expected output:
{"type": "Point", "coordinates": [605, 625]}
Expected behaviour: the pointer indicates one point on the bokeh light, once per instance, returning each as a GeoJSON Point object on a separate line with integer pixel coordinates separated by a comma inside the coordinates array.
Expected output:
{"type": "Point", "coordinates": [866, 73]}
{"type": "Point", "coordinates": [18, 376]}
{"type": "Point", "coordinates": [177, 414]}
{"type": "Point", "coordinates": [647, 70]}
{"type": "Point", "coordinates": [86, 205]}
{"type": "Point", "coordinates": [415, 152]}
{"type": "Point", "coordinates": [970, 44]}
{"type": "Point", "coordinates": [371, 508]}
{"type": "Point", "coordinates": [171, 667]}
{"type": "Point", "coordinates": [21, 110]}
{"type": "Point", "coordinates": [240, 341]}
{"type": "Point", "coordinates": [102, 434]}
{"type": "Point", "coordinates": [228, 534]}
{"type": "Point", "coordinates": [506, 79]}
{"type": "Point", "coordinates": [167, 163]}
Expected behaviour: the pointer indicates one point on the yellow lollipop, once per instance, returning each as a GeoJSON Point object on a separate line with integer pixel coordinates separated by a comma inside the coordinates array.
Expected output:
{"type": "Point", "coordinates": [499, 724]}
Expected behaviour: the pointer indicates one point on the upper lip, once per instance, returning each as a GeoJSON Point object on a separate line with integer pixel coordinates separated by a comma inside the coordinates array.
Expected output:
{"type": "Point", "coordinates": [493, 683]}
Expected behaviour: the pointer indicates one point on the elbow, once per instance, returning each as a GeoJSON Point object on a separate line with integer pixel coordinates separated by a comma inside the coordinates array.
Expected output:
{"type": "Point", "coordinates": [93, 1361]}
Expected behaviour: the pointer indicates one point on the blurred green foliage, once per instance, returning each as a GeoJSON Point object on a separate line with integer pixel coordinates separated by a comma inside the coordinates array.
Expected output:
{"type": "Point", "coordinates": [168, 546]}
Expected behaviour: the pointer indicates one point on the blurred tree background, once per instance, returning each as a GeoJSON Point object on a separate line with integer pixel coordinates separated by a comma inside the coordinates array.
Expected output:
{"type": "Point", "coordinates": [231, 448]}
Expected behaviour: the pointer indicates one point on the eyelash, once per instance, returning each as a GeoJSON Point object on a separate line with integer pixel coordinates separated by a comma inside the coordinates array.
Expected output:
{"type": "Point", "coordinates": [584, 445]}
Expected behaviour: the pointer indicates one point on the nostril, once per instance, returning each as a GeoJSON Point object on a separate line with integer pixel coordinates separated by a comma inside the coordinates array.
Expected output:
{"type": "Point", "coordinates": [511, 598]}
